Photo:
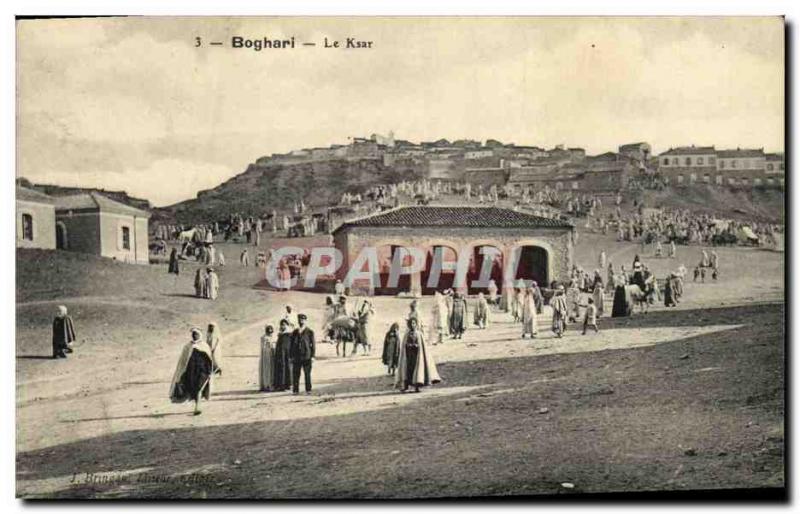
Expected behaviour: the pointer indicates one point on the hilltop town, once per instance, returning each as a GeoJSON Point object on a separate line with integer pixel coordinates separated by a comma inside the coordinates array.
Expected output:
{"type": "Point", "coordinates": [319, 176]}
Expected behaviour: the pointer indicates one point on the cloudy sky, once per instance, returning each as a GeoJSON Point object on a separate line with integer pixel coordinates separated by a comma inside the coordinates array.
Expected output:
{"type": "Point", "coordinates": [131, 103]}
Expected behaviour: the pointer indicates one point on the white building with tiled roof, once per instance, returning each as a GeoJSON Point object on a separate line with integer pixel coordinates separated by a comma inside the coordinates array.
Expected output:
{"type": "Point", "coordinates": [36, 219]}
{"type": "Point", "coordinates": [92, 223]}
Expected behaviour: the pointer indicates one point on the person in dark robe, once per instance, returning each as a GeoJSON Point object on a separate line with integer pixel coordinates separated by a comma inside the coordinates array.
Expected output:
{"type": "Point", "coordinates": [458, 316]}
{"type": "Point", "coordinates": [622, 306]}
{"type": "Point", "coordinates": [192, 378]}
{"type": "Point", "coordinates": [669, 292]}
{"type": "Point", "coordinates": [302, 352]}
{"type": "Point", "coordinates": [415, 366]}
{"type": "Point", "coordinates": [63, 334]}
{"type": "Point", "coordinates": [174, 266]}
{"type": "Point", "coordinates": [391, 348]}
{"type": "Point", "coordinates": [281, 373]}
{"type": "Point", "coordinates": [266, 357]}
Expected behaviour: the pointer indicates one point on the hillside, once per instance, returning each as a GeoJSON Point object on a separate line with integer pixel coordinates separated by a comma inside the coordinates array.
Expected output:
{"type": "Point", "coordinates": [750, 204]}
{"type": "Point", "coordinates": [262, 188]}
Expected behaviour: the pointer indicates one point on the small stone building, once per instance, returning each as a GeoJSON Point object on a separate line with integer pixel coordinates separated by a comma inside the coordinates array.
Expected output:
{"type": "Point", "coordinates": [542, 248]}
{"type": "Point", "coordinates": [92, 223]}
{"type": "Point", "coordinates": [36, 219]}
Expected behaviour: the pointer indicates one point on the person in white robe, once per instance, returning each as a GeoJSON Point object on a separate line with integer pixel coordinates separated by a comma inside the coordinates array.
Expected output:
{"type": "Point", "coordinates": [416, 367]}
{"type": "Point", "coordinates": [516, 304]}
{"type": "Point", "coordinates": [191, 379]}
{"type": "Point", "coordinates": [290, 317]}
{"type": "Point", "coordinates": [529, 321]}
{"type": "Point", "coordinates": [439, 318]}
{"type": "Point", "coordinates": [212, 284]}
{"type": "Point", "coordinates": [598, 293]}
{"type": "Point", "coordinates": [492, 292]}
{"type": "Point", "coordinates": [482, 312]}
{"type": "Point", "coordinates": [214, 341]}
{"type": "Point", "coordinates": [327, 328]}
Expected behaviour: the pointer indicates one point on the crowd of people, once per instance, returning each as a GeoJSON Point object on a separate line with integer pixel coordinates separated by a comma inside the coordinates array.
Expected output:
{"type": "Point", "coordinates": [659, 227]}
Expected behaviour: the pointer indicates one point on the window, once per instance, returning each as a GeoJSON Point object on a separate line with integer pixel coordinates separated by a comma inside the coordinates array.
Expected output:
{"type": "Point", "coordinates": [722, 165]}
{"type": "Point", "coordinates": [574, 184]}
{"type": "Point", "coordinates": [707, 179]}
{"type": "Point", "coordinates": [126, 238]}
{"type": "Point", "coordinates": [558, 186]}
{"type": "Point", "coordinates": [675, 161]}
{"type": "Point", "coordinates": [732, 181]}
{"type": "Point", "coordinates": [770, 181]}
{"type": "Point", "coordinates": [733, 163]}
{"type": "Point", "coordinates": [769, 167]}
{"type": "Point", "coordinates": [699, 160]}
{"type": "Point", "coordinates": [711, 159]}
{"type": "Point", "coordinates": [666, 162]}
{"type": "Point", "coordinates": [756, 181]}
{"type": "Point", "coordinates": [688, 161]}
{"type": "Point", "coordinates": [27, 227]}
{"type": "Point", "coordinates": [744, 181]}
{"type": "Point", "coordinates": [718, 180]}
{"type": "Point", "coordinates": [693, 177]}
{"type": "Point", "coordinates": [680, 179]}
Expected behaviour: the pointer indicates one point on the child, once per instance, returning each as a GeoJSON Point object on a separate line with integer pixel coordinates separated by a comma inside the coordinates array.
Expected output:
{"type": "Point", "coordinates": [703, 275]}
{"type": "Point", "coordinates": [590, 319]}
{"type": "Point", "coordinates": [714, 274]}
{"type": "Point", "coordinates": [63, 334]}
{"type": "Point", "coordinates": [696, 273]}
{"type": "Point", "coordinates": [391, 348]}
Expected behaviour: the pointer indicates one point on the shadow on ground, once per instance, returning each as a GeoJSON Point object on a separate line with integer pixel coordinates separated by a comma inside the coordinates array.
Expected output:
{"type": "Point", "coordinates": [696, 413]}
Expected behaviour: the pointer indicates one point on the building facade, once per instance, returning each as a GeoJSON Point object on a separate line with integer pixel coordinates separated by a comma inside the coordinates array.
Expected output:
{"type": "Point", "coordinates": [520, 246]}
{"type": "Point", "coordinates": [36, 219]}
{"type": "Point", "coordinates": [736, 168]}
{"type": "Point", "coordinates": [91, 223]}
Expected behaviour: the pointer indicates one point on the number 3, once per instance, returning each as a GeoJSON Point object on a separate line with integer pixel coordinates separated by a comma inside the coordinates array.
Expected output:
{"type": "Point", "coordinates": [197, 42]}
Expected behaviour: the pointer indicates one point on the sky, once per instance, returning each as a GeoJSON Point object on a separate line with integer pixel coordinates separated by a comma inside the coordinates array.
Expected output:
{"type": "Point", "coordinates": [133, 104]}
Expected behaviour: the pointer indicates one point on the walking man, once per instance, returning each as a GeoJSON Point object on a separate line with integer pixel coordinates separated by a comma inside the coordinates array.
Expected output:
{"type": "Point", "coordinates": [301, 353]}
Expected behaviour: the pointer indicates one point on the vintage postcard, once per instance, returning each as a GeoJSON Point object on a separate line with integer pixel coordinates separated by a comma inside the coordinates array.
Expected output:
{"type": "Point", "coordinates": [400, 257]}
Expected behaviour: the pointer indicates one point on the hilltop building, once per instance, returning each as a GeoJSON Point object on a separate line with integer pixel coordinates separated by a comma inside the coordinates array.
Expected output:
{"type": "Point", "coordinates": [707, 165]}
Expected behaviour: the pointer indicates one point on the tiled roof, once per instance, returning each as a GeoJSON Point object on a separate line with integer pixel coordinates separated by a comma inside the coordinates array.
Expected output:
{"type": "Point", "coordinates": [31, 195]}
{"type": "Point", "coordinates": [435, 216]}
{"type": "Point", "coordinates": [690, 150]}
{"type": "Point", "coordinates": [95, 201]}
{"type": "Point", "coordinates": [732, 154]}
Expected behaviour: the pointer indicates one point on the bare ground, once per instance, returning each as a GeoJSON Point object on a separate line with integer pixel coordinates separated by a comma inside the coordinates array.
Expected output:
{"type": "Point", "coordinates": [682, 399]}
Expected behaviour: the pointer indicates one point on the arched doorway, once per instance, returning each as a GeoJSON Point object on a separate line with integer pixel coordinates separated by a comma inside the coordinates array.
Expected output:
{"type": "Point", "coordinates": [483, 256]}
{"type": "Point", "coordinates": [386, 255]}
{"type": "Point", "coordinates": [533, 265]}
{"type": "Point", "coordinates": [437, 258]}
{"type": "Point", "coordinates": [62, 243]}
